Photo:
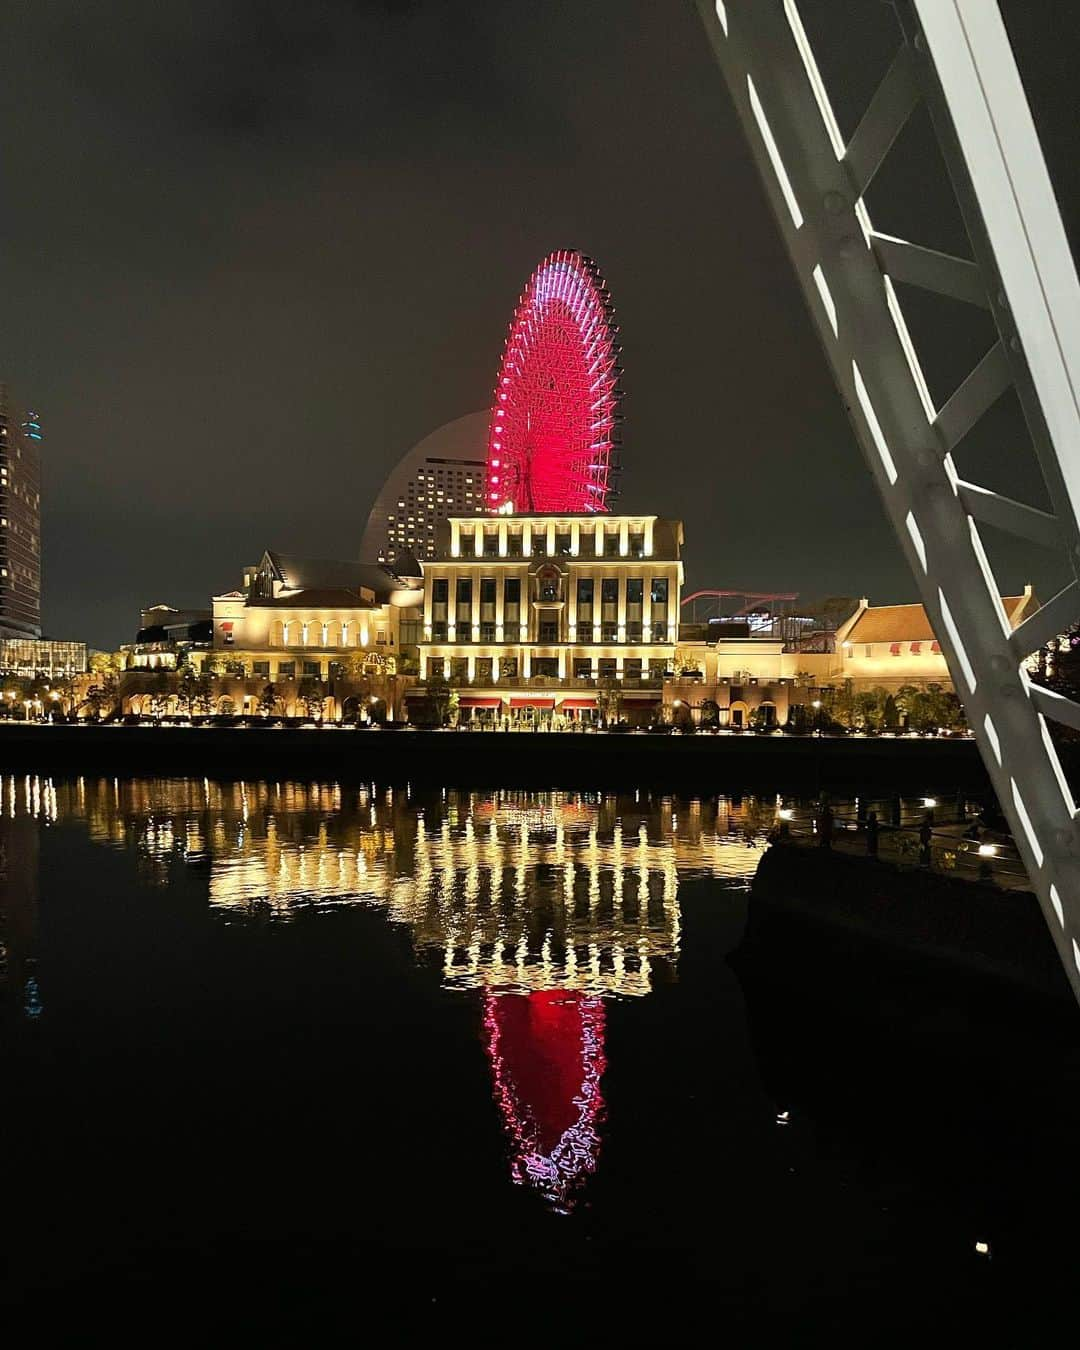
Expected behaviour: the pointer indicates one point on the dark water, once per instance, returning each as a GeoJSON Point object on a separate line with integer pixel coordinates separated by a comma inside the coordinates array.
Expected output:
{"type": "Point", "coordinates": [291, 1058]}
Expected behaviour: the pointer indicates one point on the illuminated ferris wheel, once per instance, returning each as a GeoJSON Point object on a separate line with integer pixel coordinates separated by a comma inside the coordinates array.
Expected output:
{"type": "Point", "coordinates": [552, 442]}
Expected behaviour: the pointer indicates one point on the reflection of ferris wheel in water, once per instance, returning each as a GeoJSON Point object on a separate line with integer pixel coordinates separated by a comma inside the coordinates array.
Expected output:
{"type": "Point", "coordinates": [551, 446]}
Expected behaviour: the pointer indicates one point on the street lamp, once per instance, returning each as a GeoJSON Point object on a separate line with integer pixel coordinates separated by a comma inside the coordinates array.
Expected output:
{"type": "Point", "coordinates": [816, 705]}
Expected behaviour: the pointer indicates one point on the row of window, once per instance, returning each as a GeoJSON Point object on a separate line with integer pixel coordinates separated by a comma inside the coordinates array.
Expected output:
{"type": "Point", "coordinates": [587, 545]}
{"type": "Point", "coordinates": [286, 670]}
{"type": "Point", "coordinates": [508, 667]}
{"type": "Point", "coordinates": [295, 633]}
{"type": "Point", "coordinates": [548, 590]}
{"type": "Point", "coordinates": [548, 631]}
{"type": "Point", "coordinates": [897, 648]}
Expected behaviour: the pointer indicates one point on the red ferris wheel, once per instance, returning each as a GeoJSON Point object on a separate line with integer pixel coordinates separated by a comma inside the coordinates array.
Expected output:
{"type": "Point", "coordinates": [552, 446]}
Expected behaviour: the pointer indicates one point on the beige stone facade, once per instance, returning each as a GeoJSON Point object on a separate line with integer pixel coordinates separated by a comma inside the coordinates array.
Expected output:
{"type": "Point", "coordinates": [553, 618]}
{"type": "Point", "coordinates": [302, 618]}
{"type": "Point", "coordinates": [878, 647]}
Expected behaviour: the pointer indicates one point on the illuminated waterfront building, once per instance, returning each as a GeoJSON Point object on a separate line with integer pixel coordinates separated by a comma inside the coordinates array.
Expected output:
{"type": "Point", "coordinates": [41, 656]}
{"type": "Point", "coordinates": [554, 618]}
{"type": "Point", "coordinates": [311, 618]}
{"type": "Point", "coordinates": [734, 681]}
{"type": "Point", "coordinates": [893, 645]}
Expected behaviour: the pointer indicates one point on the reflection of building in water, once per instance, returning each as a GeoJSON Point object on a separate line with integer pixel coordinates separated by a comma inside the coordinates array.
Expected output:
{"type": "Point", "coordinates": [22, 801]}
{"type": "Point", "coordinates": [544, 901]}
{"type": "Point", "coordinates": [521, 891]}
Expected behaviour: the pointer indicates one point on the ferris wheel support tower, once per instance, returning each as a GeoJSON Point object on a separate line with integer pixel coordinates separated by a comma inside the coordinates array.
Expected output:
{"type": "Point", "coordinates": [955, 56]}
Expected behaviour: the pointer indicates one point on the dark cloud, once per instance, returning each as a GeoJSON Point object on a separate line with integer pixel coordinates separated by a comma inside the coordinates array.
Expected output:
{"type": "Point", "coordinates": [251, 251]}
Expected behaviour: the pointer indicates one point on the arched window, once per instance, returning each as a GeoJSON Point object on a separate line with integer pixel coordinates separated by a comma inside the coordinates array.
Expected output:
{"type": "Point", "coordinates": [332, 634]}
{"type": "Point", "coordinates": [277, 634]}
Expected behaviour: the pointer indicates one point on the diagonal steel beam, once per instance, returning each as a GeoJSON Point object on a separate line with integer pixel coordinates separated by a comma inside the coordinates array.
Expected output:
{"type": "Point", "coordinates": [893, 103]}
{"type": "Point", "coordinates": [990, 508]}
{"type": "Point", "coordinates": [929, 269]}
{"type": "Point", "coordinates": [982, 388]}
{"type": "Point", "coordinates": [1049, 621]}
{"type": "Point", "coordinates": [808, 175]}
{"type": "Point", "coordinates": [1056, 706]}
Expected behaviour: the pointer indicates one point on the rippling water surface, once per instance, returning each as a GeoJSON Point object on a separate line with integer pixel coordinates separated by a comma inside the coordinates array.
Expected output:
{"type": "Point", "coordinates": [294, 1049]}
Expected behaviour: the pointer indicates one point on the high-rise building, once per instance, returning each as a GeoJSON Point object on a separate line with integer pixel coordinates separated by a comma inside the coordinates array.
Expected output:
{"type": "Point", "coordinates": [441, 477]}
{"type": "Point", "coordinates": [20, 520]}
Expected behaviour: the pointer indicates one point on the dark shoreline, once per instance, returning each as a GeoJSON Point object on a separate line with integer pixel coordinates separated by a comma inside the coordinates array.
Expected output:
{"type": "Point", "coordinates": [922, 918]}
{"type": "Point", "coordinates": [499, 759]}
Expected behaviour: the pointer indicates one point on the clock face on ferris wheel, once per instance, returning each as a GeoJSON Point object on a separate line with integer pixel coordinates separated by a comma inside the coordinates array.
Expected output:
{"type": "Point", "coordinates": [553, 423]}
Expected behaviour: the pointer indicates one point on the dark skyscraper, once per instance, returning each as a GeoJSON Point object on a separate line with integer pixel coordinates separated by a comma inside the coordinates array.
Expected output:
{"type": "Point", "coordinates": [20, 520]}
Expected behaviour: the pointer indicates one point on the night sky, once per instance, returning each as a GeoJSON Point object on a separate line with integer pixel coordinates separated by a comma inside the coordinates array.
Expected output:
{"type": "Point", "coordinates": [253, 250]}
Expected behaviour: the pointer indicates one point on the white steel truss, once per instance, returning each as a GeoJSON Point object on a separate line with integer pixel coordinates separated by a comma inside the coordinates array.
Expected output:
{"type": "Point", "coordinates": [955, 56]}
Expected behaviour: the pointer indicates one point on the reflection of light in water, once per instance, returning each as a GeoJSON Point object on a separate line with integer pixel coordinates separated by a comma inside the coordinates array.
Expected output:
{"type": "Point", "coordinates": [514, 889]}
{"type": "Point", "coordinates": [547, 1059]}
{"type": "Point", "coordinates": [545, 902]}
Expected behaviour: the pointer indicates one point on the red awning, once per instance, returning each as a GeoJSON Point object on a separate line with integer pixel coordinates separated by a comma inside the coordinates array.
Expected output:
{"type": "Point", "coordinates": [533, 702]}
{"type": "Point", "coordinates": [578, 702]}
{"type": "Point", "coordinates": [469, 701]}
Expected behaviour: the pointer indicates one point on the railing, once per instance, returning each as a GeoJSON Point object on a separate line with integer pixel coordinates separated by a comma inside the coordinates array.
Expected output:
{"type": "Point", "coordinates": [949, 848]}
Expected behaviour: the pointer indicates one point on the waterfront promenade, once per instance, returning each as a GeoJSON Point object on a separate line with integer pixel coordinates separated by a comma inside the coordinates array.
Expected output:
{"type": "Point", "coordinates": [549, 759]}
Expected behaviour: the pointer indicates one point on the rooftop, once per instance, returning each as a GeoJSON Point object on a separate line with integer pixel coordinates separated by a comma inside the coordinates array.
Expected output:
{"type": "Point", "coordinates": [910, 623]}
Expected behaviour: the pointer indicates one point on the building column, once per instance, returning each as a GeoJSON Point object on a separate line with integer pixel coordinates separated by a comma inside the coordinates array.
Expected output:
{"type": "Point", "coordinates": [571, 606]}
{"type": "Point", "coordinates": [526, 662]}
{"type": "Point", "coordinates": [624, 538]}
{"type": "Point", "coordinates": [598, 539]}
{"type": "Point", "coordinates": [455, 539]}
{"type": "Point", "coordinates": [575, 538]}
{"type": "Point", "coordinates": [648, 537]}
{"type": "Point", "coordinates": [504, 530]}
{"type": "Point", "coordinates": [500, 588]}
{"type": "Point", "coordinates": [551, 538]}
{"type": "Point", "coordinates": [423, 665]}
{"type": "Point", "coordinates": [562, 663]}
{"type": "Point", "coordinates": [446, 668]}
{"type": "Point", "coordinates": [471, 667]}
{"type": "Point", "coordinates": [526, 540]}
{"type": "Point", "coordinates": [621, 611]}
{"type": "Point", "coordinates": [476, 609]}
{"type": "Point", "coordinates": [451, 606]}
